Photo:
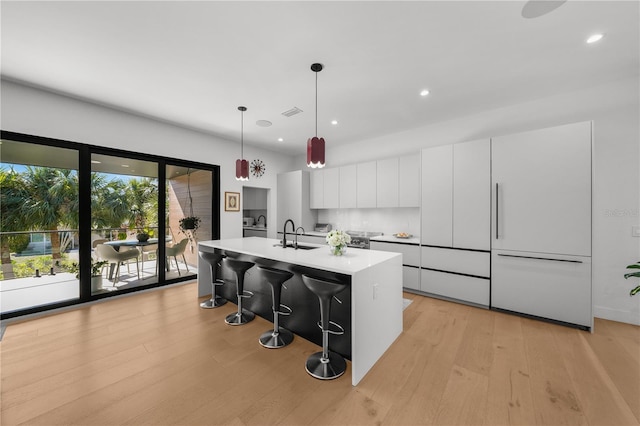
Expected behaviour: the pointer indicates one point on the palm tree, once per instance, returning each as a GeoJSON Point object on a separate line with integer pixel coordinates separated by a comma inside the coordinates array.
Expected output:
{"type": "Point", "coordinates": [52, 202]}
{"type": "Point", "coordinates": [142, 196]}
{"type": "Point", "coordinates": [109, 206]}
{"type": "Point", "coordinates": [12, 196]}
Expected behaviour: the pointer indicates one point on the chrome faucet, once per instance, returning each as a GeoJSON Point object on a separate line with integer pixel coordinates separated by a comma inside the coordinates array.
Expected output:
{"type": "Point", "coordinates": [295, 244]}
{"type": "Point", "coordinates": [262, 216]}
{"type": "Point", "coordinates": [284, 232]}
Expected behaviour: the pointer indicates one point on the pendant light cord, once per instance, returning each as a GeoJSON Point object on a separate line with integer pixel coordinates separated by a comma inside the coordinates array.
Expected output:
{"type": "Point", "coordinates": [242, 135]}
{"type": "Point", "coordinates": [316, 104]}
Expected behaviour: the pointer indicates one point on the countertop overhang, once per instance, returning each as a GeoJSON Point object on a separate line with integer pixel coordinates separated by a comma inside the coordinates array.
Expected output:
{"type": "Point", "coordinates": [352, 262]}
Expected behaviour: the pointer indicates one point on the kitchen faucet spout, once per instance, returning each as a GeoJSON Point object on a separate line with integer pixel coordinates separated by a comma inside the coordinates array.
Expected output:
{"type": "Point", "coordinates": [284, 232]}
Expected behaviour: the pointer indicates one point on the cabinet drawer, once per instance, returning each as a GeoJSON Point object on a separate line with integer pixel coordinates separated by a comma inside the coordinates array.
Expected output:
{"type": "Point", "coordinates": [411, 277]}
{"type": "Point", "coordinates": [461, 261]}
{"type": "Point", "coordinates": [410, 253]}
{"type": "Point", "coordinates": [532, 283]}
{"type": "Point", "coordinates": [459, 287]}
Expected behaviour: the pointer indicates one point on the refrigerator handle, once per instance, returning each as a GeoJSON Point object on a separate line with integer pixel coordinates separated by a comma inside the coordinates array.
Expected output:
{"type": "Point", "coordinates": [497, 211]}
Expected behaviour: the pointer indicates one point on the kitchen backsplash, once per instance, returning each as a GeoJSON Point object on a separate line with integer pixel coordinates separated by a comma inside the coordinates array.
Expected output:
{"type": "Point", "coordinates": [388, 221]}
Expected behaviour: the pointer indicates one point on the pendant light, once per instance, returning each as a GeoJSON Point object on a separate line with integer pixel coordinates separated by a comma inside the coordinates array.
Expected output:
{"type": "Point", "coordinates": [242, 165]}
{"type": "Point", "coordinates": [315, 145]}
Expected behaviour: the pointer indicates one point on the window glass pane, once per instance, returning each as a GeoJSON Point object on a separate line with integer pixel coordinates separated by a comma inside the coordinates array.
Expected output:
{"type": "Point", "coordinates": [39, 232]}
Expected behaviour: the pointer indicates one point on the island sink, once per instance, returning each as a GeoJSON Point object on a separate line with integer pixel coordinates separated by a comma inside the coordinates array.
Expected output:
{"type": "Point", "coordinates": [300, 246]}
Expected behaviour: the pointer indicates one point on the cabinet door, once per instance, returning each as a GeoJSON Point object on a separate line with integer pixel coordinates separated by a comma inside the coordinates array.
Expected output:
{"type": "Point", "coordinates": [316, 198]}
{"type": "Point", "coordinates": [409, 181]}
{"type": "Point", "coordinates": [248, 198]}
{"type": "Point", "coordinates": [366, 184]}
{"type": "Point", "coordinates": [288, 195]}
{"type": "Point", "coordinates": [411, 277]}
{"type": "Point", "coordinates": [542, 181]}
{"type": "Point", "coordinates": [331, 188]}
{"type": "Point", "coordinates": [459, 287]}
{"type": "Point", "coordinates": [261, 198]}
{"type": "Point", "coordinates": [549, 286]}
{"type": "Point", "coordinates": [472, 195]}
{"type": "Point", "coordinates": [437, 196]}
{"type": "Point", "coordinates": [348, 187]}
{"type": "Point", "coordinates": [387, 183]}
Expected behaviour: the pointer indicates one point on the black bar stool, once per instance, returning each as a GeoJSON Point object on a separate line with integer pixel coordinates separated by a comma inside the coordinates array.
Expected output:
{"type": "Point", "coordinates": [326, 364]}
{"type": "Point", "coordinates": [239, 267]}
{"type": "Point", "coordinates": [278, 337]}
{"type": "Point", "coordinates": [214, 260]}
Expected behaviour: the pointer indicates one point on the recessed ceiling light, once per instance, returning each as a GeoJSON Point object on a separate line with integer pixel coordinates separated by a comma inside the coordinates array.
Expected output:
{"type": "Point", "coordinates": [594, 38]}
{"type": "Point", "coordinates": [334, 122]}
{"type": "Point", "coordinates": [280, 139]}
{"type": "Point", "coordinates": [263, 123]}
{"type": "Point", "coordinates": [96, 162]}
{"type": "Point", "coordinates": [425, 92]}
{"type": "Point", "coordinates": [124, 165]}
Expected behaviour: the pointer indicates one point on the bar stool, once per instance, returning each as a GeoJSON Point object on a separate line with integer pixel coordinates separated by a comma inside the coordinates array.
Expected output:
{"type": "Point", "coordinates": [239, 268]}
{"type": "Point", "coordinates": [214, 260]}
{"type": "Point", "coordinates": [326, 364]}
{"type": "Point", "coordinates": [278, 337]}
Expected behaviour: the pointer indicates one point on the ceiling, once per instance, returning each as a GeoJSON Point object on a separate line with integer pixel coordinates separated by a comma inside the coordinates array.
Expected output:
{"type": "Point", "coordinates": [194, 63]}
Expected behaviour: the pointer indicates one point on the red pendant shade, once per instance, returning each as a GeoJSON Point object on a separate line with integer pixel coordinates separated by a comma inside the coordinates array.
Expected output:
{"type": "Point", "coordinates": [242, 169]}
{"type": "Point", "coordinates": [242, 165]}
{"type": "Point", "coordinates": [315, 152]}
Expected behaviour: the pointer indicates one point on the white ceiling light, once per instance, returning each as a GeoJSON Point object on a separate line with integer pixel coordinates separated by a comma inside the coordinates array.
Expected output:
{"type": "Point", "coordinates": [425, 92]}
{"type": "Point", "coordinates": [280, 139]}
{"type": "Point", "coordinates": [594, 38]}
{"type": "Point", "coordinates": [96, 162]}
{"type": "Point", "coordinates": [263, 123]}
{"type": "Point", "coordinates": [334, 122]}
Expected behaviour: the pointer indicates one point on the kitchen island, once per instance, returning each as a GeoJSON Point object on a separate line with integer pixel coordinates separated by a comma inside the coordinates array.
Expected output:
{"type": "Point", "coordinates": [370, 309]}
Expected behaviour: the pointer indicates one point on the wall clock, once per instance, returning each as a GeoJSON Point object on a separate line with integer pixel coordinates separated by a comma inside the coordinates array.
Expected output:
{"type": "Point", "coordinates": [258, 168]}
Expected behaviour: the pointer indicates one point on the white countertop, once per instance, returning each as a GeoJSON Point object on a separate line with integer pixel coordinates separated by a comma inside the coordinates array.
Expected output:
{"type": "Point", "coordinates": [255, 228]}
{"type": "Point", "coordinates": [392, 239]}
{"type": "Point", "coordinates": [354, 260]}
{"type": "Point", "coordinates": [309, 233]}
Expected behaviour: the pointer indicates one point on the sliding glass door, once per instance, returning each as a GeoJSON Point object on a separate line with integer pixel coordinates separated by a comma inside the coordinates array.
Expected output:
{"type": "Point", "coordinates": [81, 222]}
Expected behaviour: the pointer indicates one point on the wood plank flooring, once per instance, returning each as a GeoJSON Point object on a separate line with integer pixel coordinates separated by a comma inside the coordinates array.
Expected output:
{"type": "Point", "coordinates": [158, 359]}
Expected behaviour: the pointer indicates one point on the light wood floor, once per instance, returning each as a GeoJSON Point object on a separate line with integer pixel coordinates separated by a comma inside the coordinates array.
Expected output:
{"type": "Point", "coordinates": [157, 358]}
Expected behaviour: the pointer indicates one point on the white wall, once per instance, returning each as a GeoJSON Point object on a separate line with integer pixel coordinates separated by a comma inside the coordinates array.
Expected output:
{"type": "Point", "coordinates": [42, 113]}
{"type": "Point", "coordinates": [614, 109]}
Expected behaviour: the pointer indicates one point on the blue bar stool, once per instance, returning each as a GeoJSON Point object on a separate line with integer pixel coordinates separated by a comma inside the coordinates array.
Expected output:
{"type": "Point", "coordinates": [278, 337]}
{"type": "Point", "coordinates": [214, 260]}
{"type": "Point", "coordinates": [325, 365]}
{"type": "Point", "coordinates": [239, 268]}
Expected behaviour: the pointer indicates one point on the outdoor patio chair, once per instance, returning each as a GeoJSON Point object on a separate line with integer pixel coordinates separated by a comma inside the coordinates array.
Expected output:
{"type": "Point", "coordinates": [175, 251]}
{"type": "Point", "coordinates": [110, 254]}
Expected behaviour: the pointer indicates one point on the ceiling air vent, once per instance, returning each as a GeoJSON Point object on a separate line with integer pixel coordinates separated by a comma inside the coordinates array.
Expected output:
{"type": "Point", "coordinates": [292, 111]}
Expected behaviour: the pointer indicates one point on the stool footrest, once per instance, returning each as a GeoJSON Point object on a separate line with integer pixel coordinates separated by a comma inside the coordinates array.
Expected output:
{"type": "Point", "coordinates": [246, 294]}
{"type": "Point", "coordinates": [334, 332]}
{"type": "Point", "coordinates": [219, 282]}
{"type": "Point", "coordinates": [287, 310]}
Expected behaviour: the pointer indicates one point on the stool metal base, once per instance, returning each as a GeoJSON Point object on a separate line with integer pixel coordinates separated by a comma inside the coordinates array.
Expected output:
{"type": "Point", "coordinates": [273, 341]}
{"type": "Point", "coordinates": [235, 319]}
{"type": "Point", "coordinates": [213, 303]}
{"type": "Point", "coordinates": [326, 371]}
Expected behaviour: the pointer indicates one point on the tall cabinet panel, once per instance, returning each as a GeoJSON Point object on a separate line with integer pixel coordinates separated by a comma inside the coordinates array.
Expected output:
{"type": "Point", "coordinates": [316, 194]}
{"type": "Point", "coordinates": [472, 195]}
{"type": "Point", "coordinates": [541, 242]}
{"type": "Point", "coordinates": [542, 185]}
{"type": "Point", "coordinates": [437, 196]}
{"type": "Point", "coordinates": [293, 200]}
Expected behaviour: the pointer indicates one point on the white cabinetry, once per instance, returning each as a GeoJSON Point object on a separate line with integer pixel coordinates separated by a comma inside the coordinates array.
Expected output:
{"type": "Point", "coordinates": [348, 187]}
{"type": "Point", "coordinates": [409, 181]}
{"type": "Point", "coordinates": [366, 183]}
{"type": "Point", "coordinates": [410, 261]}
{"type": "Point", "coordinates": [331, 190]}
{"type": "Point", "coordinates": [541, 242]}
{"type": "Point", "coordinates": [316, 196]}
{"type": "Point", "coordinates": [456, 221]}
{"type": "Point", "coordinates": [387, 183]}
{"type": "Point", "coordinates": [254, 198]}
{"type": "Point", "coordinates": [293, 200]}
{"type": "Point", "coordinates": [437, 196]}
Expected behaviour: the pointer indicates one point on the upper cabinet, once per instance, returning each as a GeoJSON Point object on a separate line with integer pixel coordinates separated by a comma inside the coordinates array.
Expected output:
{"type": "Point", "coordinates": [456, 195]}
{"type": "Point", "coordinates": [366, 185]}
{"type": "Point", "coordinates": [293, 199]}
{"type": "Point", "coordinates": [409, 181]}
{"type": "Point", "coordinates": [387, 183]}
{"type": "Point", "coordinates": [392, 182]}
{"type": "Point", "coordinates": [254, 198]}
{"type": "Point", "coordinates": [348, 187]}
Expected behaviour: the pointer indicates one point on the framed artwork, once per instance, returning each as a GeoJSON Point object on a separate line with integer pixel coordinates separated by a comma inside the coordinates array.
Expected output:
{"type": "Point", "coordinates": [231, 201]}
